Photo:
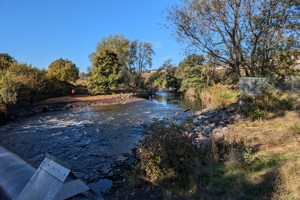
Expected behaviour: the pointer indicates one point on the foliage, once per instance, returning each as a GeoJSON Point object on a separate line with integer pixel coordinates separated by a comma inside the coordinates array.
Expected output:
{"type": "Point", "coordinates": [218, 96]}
{"type": "Point", "coordinates": [5, 61]}
{"type": "Point", "coordinates": [132, 56]}
{"type": "Point", "coordinates": [22, 85]}
{"type": "Point", "coordinates": [268, 103]}
{"type": "Point", "coordinates": [168, 155]}
{"type": "Point", "coordinates": [106, 73]}
{"type": "Point", "coordinates": [63, 70]}
{"type": "Point", "coordinates": [193, 75]}
{"type": "Point", "coordinates": [248, 155]}
{"type": "Point", "coordinates": [144, 56]}
{"type": "Point", "coordinates": [156, 79]}
{"type": "Point", "coordinates": [120, 46]}
{"type": "Point", "coordinates": [164, 77]}
{"type": "Point", "coordinates": [244, 36]}
{"type": "Point", "coordinates": [282, 66]}
{"type": "Point", "coordinates": [256, 160]}
{"type": "Point", "coordinates": [193, 81]}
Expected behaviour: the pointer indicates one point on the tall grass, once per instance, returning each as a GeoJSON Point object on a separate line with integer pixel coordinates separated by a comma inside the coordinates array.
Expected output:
{"type": "Point", "coordinates": [218, 96]}
{"type": "Point", "coordinates": [287, 183]}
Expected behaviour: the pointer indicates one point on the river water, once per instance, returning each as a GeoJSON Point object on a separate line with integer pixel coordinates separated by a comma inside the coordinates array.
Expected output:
{"type": "Point", "coordinates": [90, 139]}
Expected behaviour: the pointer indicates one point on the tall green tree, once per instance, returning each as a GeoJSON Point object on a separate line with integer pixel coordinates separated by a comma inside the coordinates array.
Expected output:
{"type": "Point", "coordinates": [133, 56]}
{"type": "Point", "coordinates": [119, 45]}
{"type": "Point", "coordinates": [63, 70]}
{"type": "Point", "coordinates": [243, 35]}
{"type": "Point", "coordinates": [106, 72]}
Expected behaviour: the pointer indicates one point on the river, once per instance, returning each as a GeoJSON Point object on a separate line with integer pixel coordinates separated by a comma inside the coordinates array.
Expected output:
{"type": "Point", "coordinates": [90, 139]}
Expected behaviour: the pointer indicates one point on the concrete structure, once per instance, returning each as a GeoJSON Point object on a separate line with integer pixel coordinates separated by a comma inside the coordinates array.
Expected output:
{"type": "Point", "coordinates": [53, 180]}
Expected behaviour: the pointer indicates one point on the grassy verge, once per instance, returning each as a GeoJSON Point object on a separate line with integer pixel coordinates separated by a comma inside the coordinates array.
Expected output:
{"type": "Point", "coordinates": [256, 160]}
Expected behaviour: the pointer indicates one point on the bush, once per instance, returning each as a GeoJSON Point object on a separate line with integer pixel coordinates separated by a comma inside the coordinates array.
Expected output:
{"type": "Point", "coordinates": [218, 96]}
{"type": "Point", "coordinates": [268, 103]}
{"type": "Point", "coordinates": [21, 85]}
{"type": "Point", "coordinates": [168, 157]}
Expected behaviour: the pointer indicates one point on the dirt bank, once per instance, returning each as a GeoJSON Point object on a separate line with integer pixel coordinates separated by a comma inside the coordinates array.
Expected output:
{"type": "Point", "coordinates": [69, 102]}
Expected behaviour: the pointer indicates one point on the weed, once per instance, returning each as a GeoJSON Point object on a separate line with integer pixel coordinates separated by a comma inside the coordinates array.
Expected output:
{"type": "Point", "coordinates": [295, 129]}
{"type": "Point", "coordinates": [248, 155]}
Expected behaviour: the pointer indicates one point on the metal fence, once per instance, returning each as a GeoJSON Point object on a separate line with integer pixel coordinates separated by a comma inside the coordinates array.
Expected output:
{"type": "Point", "coordinates": [253, 85]}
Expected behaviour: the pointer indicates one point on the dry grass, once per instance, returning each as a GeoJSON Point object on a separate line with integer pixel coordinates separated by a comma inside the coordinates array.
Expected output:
{"type": "Point", "coordinates": [271, 135]}
{"type": "Point", "coordinates": [276, 151]}
{"type": "Point", "coordinates": [218, 96]}
{"type": "Point", "coordinates": [287, 184]}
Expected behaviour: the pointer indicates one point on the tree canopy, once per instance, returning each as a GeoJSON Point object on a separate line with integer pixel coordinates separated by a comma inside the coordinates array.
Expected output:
{"type": "Point", "coordinates": [63, 70]}
{"type": "Point", "coordinates": [122, 61]}
{"type": "Point", "coordinates": [243, 35]}
{"type": "Point", "coordinates": [106, 73]}
{"type": "Point", "coordinates": [5, 61]}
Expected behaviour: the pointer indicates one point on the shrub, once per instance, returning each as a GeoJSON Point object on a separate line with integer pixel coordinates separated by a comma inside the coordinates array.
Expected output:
{"type": "Point", "coordinates": [268, 103]}
{"type": "Point", "coordinates": [22, 85]}
{"type": "Point", "coordinates": [168, 157]}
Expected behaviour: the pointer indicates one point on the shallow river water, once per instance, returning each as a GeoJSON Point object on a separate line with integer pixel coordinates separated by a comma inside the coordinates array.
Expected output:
{"type": "Point", "coordinates": [90, 139]}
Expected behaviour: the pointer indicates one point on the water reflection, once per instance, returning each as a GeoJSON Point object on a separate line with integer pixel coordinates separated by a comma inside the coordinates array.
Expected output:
{"type": "Point", "coordinates": [165, 97]}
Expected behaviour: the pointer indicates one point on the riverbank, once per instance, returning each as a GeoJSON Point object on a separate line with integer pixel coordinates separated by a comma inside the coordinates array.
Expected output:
{"type": "Point", "coordinates": [202, 125]}
{"type": "Point", "coordinates": [244, 159]}
{"type": "Point", "coordinates": [69, 102]}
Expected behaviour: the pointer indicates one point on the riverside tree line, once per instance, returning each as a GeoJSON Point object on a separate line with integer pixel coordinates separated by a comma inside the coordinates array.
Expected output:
{"type": "Point", "coordinates": [240, 37]}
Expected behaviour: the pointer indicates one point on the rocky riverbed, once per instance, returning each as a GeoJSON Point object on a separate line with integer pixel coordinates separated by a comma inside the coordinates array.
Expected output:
{"type": "Point", "coordinates": [206, 123]}
{"type": "Point", "coordinates": [97, 137]}
{"type": "Point", "coordinates": [94, 137]}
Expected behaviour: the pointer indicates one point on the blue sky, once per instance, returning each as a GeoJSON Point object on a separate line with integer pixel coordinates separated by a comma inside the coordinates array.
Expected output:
{"type": "Point", "coordinates": [38, 32]}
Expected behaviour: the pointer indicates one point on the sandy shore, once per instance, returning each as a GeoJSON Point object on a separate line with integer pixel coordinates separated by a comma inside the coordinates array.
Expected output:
{"type": "Point", "coordinates": [99, 99]}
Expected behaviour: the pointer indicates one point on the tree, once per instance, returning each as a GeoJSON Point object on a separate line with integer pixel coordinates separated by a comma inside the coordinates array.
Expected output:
{"type": "Point", "coordinates": [5, 61]}
{"type": "Point", "coordinates": [119, 45]}
{"type": "Point", "coordinates": [63, 70]}
{"type": "Point", "coordinates": [133, 56]}
{"type": "Point", "coordinates": [22, 85]}
{"type": "Point", "coordinates": [106, 72]}
{"type": "Point", "coordinates": [144, 56]}
{"type": "Point", "coordinates": [190, 61]}
{"type": "Point", "coordinates": [243, 35]}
